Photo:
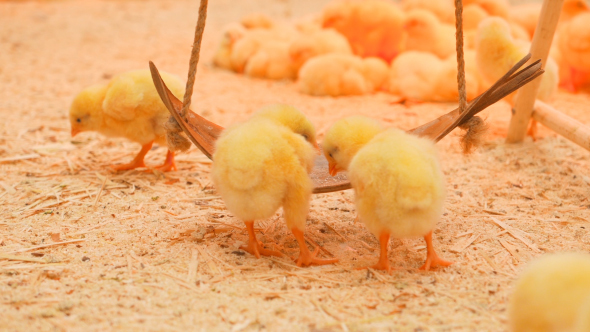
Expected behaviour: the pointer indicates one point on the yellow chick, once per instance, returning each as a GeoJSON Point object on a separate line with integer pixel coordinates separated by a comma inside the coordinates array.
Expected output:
{"type": "Point", "coordinates": [443, 9]}
{"type": "Point", "coordinates": [314, 43]}
{"type": "Point", "coordinates": [499, 8]}
{"type": "Point", "coordinates": [128, 106]}
{"type": "Point", "coordinates": [550, 293]}
{"type": "Point", "coordinates": [527, 15]}
{"type": "Point", "coordinates": [582, 323]}
{"type": "Point", "coordinates": [264, 53]}
{"type": "Point", "coordinates": [474, 14]}
{"type": "Point", "coordinates": [263, 164]}
{"type": "Point", "coordinates": [257, 21]}
{"type": "Point", "coordinates": [231, 34]}
{"type": "Point", "coordinates": [424, 32]}
{"type": "Point", "coordinates": [574, 49]}
{"type": "Point", "coordinates": [497, 52]}
{"type": "Point", "coordinates": [422, 76]}
{"type": "Point", "coordinates": [373, 27]}
{"type": "Point", "coordinates": [338, 74]}
{"type": "Point", "coordinates": [397, 181]}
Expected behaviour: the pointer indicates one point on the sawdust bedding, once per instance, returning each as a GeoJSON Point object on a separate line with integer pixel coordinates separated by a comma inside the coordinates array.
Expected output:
{"type": "Point", "coordinates": [85, 249]}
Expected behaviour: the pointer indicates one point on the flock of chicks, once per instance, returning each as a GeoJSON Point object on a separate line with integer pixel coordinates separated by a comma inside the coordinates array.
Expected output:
{"type": "Point", "coordinates": [264, 163]}
{"type": "Point", "coordinates": [408, 49]}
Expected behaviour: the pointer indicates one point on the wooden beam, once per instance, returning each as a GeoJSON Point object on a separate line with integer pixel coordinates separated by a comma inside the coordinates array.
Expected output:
{"type": "Point", "coordinates": [562, 124]}
{"type": "Point", "coordinates": [525, 99]}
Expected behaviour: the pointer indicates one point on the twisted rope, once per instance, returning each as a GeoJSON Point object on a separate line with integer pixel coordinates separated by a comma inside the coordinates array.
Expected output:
{"type": "Point", "coordinates": [192, 67]}
{"type": "Point", "coordinates": [460, 56]}
{"type": "Point", "coordinates": [173, 136]}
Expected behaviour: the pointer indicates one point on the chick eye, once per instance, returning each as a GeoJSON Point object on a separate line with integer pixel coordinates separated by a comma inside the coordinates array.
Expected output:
{"type": "Point", "coordinates": [330, 154]}
{"type": "Point", "coordinates": [305, 136]}
{"type": "Point", "coordinates": [78, 120]}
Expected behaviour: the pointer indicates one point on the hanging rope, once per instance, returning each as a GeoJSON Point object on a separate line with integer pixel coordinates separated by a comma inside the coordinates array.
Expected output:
{"type": "Point", "coordinates": [460, 55]}
{"type": "Point", "coordinates": [173, 130]}
{"type": "Point", "coordinates": [475, 127]}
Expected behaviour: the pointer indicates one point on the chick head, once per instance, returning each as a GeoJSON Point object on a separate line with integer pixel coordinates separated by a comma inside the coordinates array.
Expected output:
{"type": "Point", "coordinates": [345, 138]}
{"type": "Point", "coordinates": [493, 28]}
{"type": "Point", "coordinates": [419, 23]}
{"type": "Point", "coordinates": [86, 109]}
{"type": "Point", "coordinates": [573, 7]}
{"type": "Point", "coordinates": [291, 118]}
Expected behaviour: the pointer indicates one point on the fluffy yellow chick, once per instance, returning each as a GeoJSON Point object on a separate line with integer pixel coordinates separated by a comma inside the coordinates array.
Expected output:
{"type": "Point", "coordinates": [550, 293]}
{"type": "Point", "coordinates": [497, 52]}
{"type": "Point", "coordinates": [338, 74]}
{"type": "Point", "coordinates": [424, 32]}
{"type": "Point", "coordinates": [499, 8]}
{"type": "Point", "coordinates": [582, 323]}
{"type": "Point", "coordinates": [264, 53]}
{"type": "Point", "coordinates": [263, 164]}
{"type": "Point", "coordinates": [257, 21]}
{"type": "Point", "coordinates": [231, 34]}
{"type": "Point", "coordinates": [314, 43]}
{"type": "Point", "coordinates": [443, 9]}
{"type": "Point", "coordinates": [422, 76]}
{"type": "Point", "coordinates": [128, 106]}
{"type": "Point", "coordinates": [373, 27]}
{"type": "Point", "coordinates": [574, 49]}
{"type": "Point", "coordinates": [527, 15]}
{"type": "Point", "coordinates": [474, 14]}
{"type": "Point", "coordinates": [397, 181]}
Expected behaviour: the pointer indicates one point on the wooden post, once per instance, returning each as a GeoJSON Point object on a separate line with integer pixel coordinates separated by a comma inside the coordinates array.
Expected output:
{"type": "Point", "coordinates": [562, 124]}
{"type": "Point", "coordinates": [525, 99]}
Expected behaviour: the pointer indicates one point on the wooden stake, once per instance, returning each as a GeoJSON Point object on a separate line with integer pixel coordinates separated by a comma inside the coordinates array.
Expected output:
{"type": "Point", "coordinates": [525, 99]}
{"type": "Point", "coordinates": [562, 124]}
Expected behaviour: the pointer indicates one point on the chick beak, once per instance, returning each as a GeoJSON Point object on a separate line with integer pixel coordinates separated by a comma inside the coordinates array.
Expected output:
{"type": "Point", "coordinates": [333, 169]}
{"type": "Point", "coordinates": [75, 131]}
{"type": "Point", "coordinates": [317, 147]}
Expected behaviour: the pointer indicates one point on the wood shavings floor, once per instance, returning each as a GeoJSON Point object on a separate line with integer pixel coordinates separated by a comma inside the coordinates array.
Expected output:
{"type": "Point", "coordinates": [84, 249]}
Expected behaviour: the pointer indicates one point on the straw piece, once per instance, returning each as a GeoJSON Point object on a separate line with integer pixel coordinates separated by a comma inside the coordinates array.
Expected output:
{"type": "Point", "coordinates": [47, 246]}
{"type": "Point", "coordinates": [516, 234]}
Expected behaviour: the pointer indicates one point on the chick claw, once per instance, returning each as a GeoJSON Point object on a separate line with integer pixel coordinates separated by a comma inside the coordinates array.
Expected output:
{"type": "Point", "coordinates": [132, 165]}
{"type": "Point", "coordinates": [432, 260]}
{"type": "Point", "coordinates": [382, 266]}
{"type": "Point", "coordinates": [307, 258]}
{"type": "Point", "coordinates": [255, 248]}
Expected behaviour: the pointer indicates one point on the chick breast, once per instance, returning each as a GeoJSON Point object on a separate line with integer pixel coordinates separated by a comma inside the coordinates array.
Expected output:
{"type": "Point", "coordinates": [550, 293]}
{"type": "Point", "coordinates": [398, 184]}
{"type": "Point", "coordinates": [259, 165]}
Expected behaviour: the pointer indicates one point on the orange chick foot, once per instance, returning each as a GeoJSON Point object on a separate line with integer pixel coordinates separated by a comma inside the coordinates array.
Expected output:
{"type": "Point", "coordinates": [432, 260]}
{"type": "Point", "coordinates": [382, 266]}
{"type": "Point", "coordinates": [169, 164]}
{"type": "Point", "coordinates": [132, 165]}
{"type": "Point", "coordinates": [307, 258]}
{"type": "Point", "coordinates": [255, 248]}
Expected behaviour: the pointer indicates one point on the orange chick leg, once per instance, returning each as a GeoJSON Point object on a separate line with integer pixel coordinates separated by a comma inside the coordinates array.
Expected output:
{"type": "Point", "coordinates": [169, 164]}
{"type": "Point", "coordinates": [532, 132]}
{"type": "Point", "coordinates": [254, 246]}
{"type": "Point", "coordinates": [137, 161]}
{"type": "Point", "coordinates": [383, 263]}
{"type": "Point", "coordinates": [432, 259]}
{"type": "Point", "coordinates": [306, 257]}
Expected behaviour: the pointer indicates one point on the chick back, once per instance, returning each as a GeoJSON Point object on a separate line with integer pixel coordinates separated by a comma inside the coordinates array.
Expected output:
{"type": "Point", "coordinates": [398, 184]}
{"type": "Point", "coordinates": [256, 166]}
{"type": "Point", "coordinates": [133, 108]}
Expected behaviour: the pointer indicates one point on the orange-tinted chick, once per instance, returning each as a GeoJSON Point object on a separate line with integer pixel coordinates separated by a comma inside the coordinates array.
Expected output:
{"type": "Point", "coordinates": [397, 181]}
{"type": "Point", "coordinates": [128, 106]}
{"type": "Point", "coordinates": [263, 164]}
